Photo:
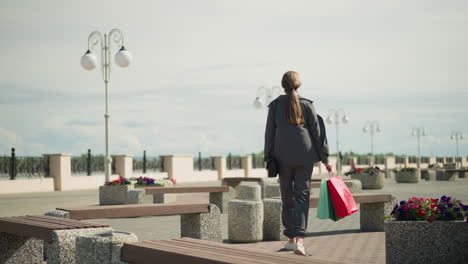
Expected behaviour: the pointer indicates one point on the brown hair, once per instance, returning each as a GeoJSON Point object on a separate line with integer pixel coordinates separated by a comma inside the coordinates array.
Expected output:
{"type": "Point", "coordinates": [290, 83]}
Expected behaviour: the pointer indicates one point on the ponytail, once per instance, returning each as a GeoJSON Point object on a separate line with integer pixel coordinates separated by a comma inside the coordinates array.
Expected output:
{"type": "Point", "coordinates": [290, 84]}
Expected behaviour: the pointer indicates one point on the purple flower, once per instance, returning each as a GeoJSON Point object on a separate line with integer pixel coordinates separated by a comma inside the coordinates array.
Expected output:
{"type": "Point", "coordinates": [456, 209]}
{"type": "Point", "coordinates": [465, 207]}
{"type": "Point", "coordinates": [402, 202]}
{"type": "Point", "coordinates": [459, 215]}
{"type": "Point", "coordinates": [443, 198]}
{"type": "Point", "coordinates": [450, 205]}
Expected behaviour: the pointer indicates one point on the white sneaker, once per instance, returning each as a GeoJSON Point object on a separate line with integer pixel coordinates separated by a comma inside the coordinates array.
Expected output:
{"type": "Point", "coordinates": [289, 246]}
{"type": "Point", "coordinates": [299, 249]}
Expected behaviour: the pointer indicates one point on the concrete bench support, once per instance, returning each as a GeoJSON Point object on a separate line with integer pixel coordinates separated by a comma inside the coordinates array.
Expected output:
{"type": "Point", "coordinates": [17, 249]}
{"type": "Point", "coordinates": [249, 192]}
{"type": "Point", "coordinates": [245, 221]}
{"type": "Point", "coordinates": [221, 199]}
{"type": "Point", "coordinates": [272, 190]}
{"type": "Point", "coordinates": [272, 225]}
{"type": "Point", "coordinates": [206, 226]}
{"type": "Point", "coordinates": [135, 196]}
{"type": "Point", "coordinates": [164, 198]}
{"type": "Point", "coordinates": [102, 248]}
{"type": "Point", "coordinates": [62, 249]}
{"type": "Point", "coordinates": [372, 217]}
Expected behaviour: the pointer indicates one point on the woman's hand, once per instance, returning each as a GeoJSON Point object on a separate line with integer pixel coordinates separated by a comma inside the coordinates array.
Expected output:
{"type": "Point", "coordinates": [329, 168]}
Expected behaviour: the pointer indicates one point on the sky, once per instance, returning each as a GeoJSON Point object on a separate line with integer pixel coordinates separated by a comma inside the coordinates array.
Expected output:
{"type": "Point", "coordinates": [197, 66]}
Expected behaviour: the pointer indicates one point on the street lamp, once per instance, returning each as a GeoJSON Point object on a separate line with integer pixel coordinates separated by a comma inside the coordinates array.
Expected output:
{"type": "Point", "coordinates": [337, 116]}
{"type": "Point", "coordinates": [372, 127]}
{"type": "Point", "coordinates": [103, 43]}
{"type": "Point", "coordinates": [419, 132]}
{"type": "Point", "coordinates": [266, 95]}
{"type": "Point", "coordinates": [457, 136]}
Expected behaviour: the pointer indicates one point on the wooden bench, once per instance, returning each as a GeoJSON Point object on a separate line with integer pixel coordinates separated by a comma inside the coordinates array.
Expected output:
{"type": "Point", "coordinates": [373, 208]}
{"type": "Point", "coordinates": [234, 181]}
{"type": "Point", "coordinates": [22, 238]}
{"type": "Point", "coordinates": [219, 195]}
{"type": "Point", "coordinates": [197, 220]}
{"type": "Point", "coordinates": [188, 251]}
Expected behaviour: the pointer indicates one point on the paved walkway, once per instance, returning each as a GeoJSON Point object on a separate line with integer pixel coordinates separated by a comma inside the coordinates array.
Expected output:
{"type": "Point", "coordinates": [338, 241]}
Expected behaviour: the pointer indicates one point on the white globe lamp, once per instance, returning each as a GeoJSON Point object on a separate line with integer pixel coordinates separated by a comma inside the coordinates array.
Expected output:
{"type": "Point", "coordinates": [88, 61]}
{"type": "Point", "coordinates": [123, 57]}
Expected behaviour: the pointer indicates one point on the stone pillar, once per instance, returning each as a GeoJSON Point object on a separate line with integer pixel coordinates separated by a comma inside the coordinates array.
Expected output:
{"type": "Point", "coordinates": [246, 164]}
{"type": "Point", "coordinates": [370, 161]}
{"type": "Point", "coordinates": [432, 160]}
{"type": "Point", "coordinates": [405, 161]}
{"type": "Point", "coordinates": [389, 162]}
{"type": "Point", "coordinates": [464, 162]}
{"type": "Point", "coordinates": [123, 165]}
{"type": "Point", "coordinates": [353, 160]}
{"type": "Point", "coordinates": [179, 167]}
{"type": "Point", "coordinates": [59, 169]}
{"type": "Point", "coordinates": [220, 166]}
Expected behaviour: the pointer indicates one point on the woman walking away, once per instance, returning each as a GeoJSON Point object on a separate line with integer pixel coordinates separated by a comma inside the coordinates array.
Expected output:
{"type": "Point", "coordinates": [294, 142]}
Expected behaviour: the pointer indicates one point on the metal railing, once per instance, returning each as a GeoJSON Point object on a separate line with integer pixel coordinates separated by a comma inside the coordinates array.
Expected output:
{"type": "Point", "coordinates": [29, 167]}
{"type": "Point", "coordinates": [87, 164]}
{"type": "Point", "coordinates": [148, 164]}
{"type": "Point", "coordinates": [258, 161]}
{"type": "Point", "coordinates": [200, 163]}
{"type": "Point", "coordinates": [233, 162]}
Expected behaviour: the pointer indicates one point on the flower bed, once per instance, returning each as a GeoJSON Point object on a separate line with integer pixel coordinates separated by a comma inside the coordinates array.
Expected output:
{"type": "Point", "coordinates": [427, 231]}
{"type": "Point", "coordinates": [408, 175]}
{"type": "Point", "coordinates": [115, 192]}
{"type": "Point", "coordinates": [150, 182]}
{"type": "Point", "coordinates": [371, 178]}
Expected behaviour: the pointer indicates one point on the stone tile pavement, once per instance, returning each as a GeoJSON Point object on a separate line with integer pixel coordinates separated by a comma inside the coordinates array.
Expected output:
{"type": "Point", "coordinates": [339, 241]}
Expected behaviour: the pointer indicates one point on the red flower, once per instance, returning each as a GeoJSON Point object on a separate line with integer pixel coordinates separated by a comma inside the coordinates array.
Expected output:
{"type": "Point", "coordinates": [359, 170]}
{"type": "Point", "coordinates": [434, 200]}
{"type": "Point", "coordinates": [430, 219]}
{"type": "Point", "coordinates": [422, 213]}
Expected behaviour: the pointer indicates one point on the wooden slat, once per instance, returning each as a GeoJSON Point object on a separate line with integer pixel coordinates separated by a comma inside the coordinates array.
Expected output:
{"type": "Point", "coordinates": [140, 253]}
{"type": "Point", "coordinates": [198, 189]}
{"type": "Point", "coordinates": [189, 250]}
{"type": "Point", "coordinates": [258, 256]}
{"type": "Point", "coordinates": [134, 210]}
{"type": "Point", "coordinates": [211, 254]}
{"type": "Point", "coordinates": [234, 181]}
{"type": "Point", "coordinates": [26, 230]}
{"type": "Point", "coordinates": [215, 245]}
{"type": "Point", "coordinates": [20, 221]}
{"type": "Point", "coordinates": [359, 198]}
{"type": "Point", "coordinates": [74, 224]}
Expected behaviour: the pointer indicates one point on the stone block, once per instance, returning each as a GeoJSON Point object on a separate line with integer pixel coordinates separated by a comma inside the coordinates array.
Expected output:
{"type": "Point", "coordinates": [221, 199]}
{"type": "Point", "coordinates": [272, 190]}
{"type": "Point", "coordinates": [164, 198]}
{"type": "Point", "coordinates": [264, 181]}
{"type": "Point", "coordinates": [58, 213]}
{"type": "Point", "coordinates": [102, 248]}
{"type": "Point", "coordinates": [408, 176]}
{"type": "Point", "coordinates": [114, 194]}
{"type": "Point", "coordinates": [135, 196]}
{"type": "Point", "coordinates": [426, 242]}
{"type": "Point", "coordinates": [354, 186]}
{"type": "Point", "coordinates": [206, 226]}
{"type": "Point", "coordinates": [272, 225]}
{"type": "Point", "coordinates": [245, 221]}
{"type": "Point", "coordinates": [249, 192]}
{"type": "Point", "coordinates": [372, 217]}
{"type": "Point", "coordinates": [62, 248]}
{"type": "Point", "coordinates": [368, 181]}
{"type": "Point", "coordinates": [18, 249]}
{"type": "Point", "coordinates": [443, 175]}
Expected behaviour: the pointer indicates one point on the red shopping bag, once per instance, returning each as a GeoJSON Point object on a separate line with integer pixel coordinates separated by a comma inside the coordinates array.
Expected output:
{"type": "Point", "coordinates": [342, 198]}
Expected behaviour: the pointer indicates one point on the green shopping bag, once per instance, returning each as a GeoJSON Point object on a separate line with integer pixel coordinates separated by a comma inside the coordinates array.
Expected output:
{"type": "Point", "coordinates": [325, 209]}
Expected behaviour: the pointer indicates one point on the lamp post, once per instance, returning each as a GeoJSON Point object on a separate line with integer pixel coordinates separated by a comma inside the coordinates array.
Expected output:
{"type": "Point", "coordinates": [457, 136]}
{"type": "Point", "coordinates": [265, 95]}
{"type": "Point", "coordinates": [337, 116]}
{"type": "Point", "coordinates": [419, 132]}
{"type": "Point", "coordinates": [372, 127]}
{"type": "Point", "coordinates": [102, 43]}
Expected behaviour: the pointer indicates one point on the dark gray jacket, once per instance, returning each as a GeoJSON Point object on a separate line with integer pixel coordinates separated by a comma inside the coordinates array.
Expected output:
{"type": "Point", "coordinates": [294, 146]}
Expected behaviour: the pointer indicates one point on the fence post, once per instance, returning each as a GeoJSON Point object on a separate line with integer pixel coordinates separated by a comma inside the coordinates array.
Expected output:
{"type": "Point", "coordinates": [88, 165]}
{"type": "Point", "coordinates": [144, 161]}
{"type": "Point", "coordinates": [230, 161]}
{"type": "Point", "coordinates": [13, 165]}
{"type": "Point", "coordinates": [199, 161]}
{"type": "Point", "coordinates": [253, 161]}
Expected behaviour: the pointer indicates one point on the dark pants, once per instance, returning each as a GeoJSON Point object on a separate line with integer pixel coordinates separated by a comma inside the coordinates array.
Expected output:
{"type": "Point", "coordinates": [295, 194]}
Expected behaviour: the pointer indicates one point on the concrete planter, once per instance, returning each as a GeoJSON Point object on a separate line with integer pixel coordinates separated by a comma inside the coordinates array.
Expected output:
{"type": "Point", "coordinates": [428, 175]}
{"type": "Point", "coordinates": [408, 176]}
{"type": "Point", "coordinates": [374, 181]}
{"type": "Point", "coordinates": [114, 194]}
{"type": "Point", "coordinates": [426, 242]}
{"type": "Point", "coordinates": [444, 175]}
